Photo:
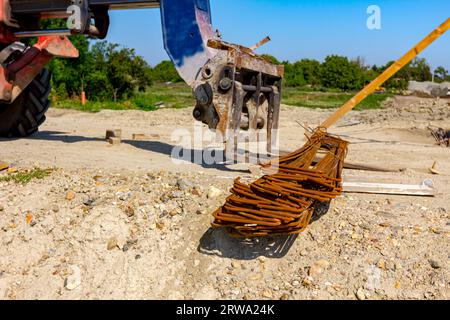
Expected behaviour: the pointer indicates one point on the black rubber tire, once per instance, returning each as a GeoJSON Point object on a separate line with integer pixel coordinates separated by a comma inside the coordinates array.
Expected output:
{"type": "Point", "coordinates": [24, 116]}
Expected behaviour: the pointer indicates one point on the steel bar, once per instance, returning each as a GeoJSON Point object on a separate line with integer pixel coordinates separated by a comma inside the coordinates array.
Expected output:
{"type": "Point", "coordinates": [284, 202]}
{"type": "Point", "coordinates": [386, 75]}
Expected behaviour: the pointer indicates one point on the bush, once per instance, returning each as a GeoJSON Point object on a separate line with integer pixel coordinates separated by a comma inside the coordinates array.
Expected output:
{"type": "Point", "coordinates": [103, 71]}
{"type": "Point", "coordinates": [294, 75]}
{"type": "Point", "coordinates": [338, 72]}
{"type": "Point", "coordinates": [165, 72]}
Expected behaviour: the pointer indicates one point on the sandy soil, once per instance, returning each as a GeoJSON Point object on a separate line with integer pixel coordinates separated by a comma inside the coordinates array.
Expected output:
{"type": "Point", "coordinates": [127, 222]}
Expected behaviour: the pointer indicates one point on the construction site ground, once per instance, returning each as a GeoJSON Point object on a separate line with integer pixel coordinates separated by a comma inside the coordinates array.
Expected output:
{"type": "Point", "coordinates": [125, 221]}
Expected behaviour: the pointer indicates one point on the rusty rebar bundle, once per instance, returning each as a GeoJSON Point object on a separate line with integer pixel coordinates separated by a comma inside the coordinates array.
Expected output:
{"type": "Point", "coordinates": [283, 201]}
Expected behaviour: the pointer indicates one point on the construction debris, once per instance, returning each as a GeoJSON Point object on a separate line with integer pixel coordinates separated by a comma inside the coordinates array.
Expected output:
{"type": "Point", "coordinates": [144, 136]}
{"type": "Point", "coordinates": [116, 133]}
{"type": "Point", "coordinates": [3, 166]}
{"type": "Point", "coordinates": [433, 169]}
{"type": "Point", "coordinates": [283, 202]}
{"type": "Point", "coordinates": [160, 105]}
{"type": "Point", "coordinates": [442, 136]}
{"type": "Point", "coordinates": [424, 189]}
{"type": "Point", "coordinates": [429, 89]}
{"type": "Point", "coordinates": [114, 141]}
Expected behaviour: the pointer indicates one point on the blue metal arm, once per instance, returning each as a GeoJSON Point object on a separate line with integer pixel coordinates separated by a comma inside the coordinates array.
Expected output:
{"type": "Point", "coordinates": [186, 26]}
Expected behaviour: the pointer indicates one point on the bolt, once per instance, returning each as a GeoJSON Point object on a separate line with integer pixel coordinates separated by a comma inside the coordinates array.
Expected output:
{"type": "Point", "coordinates": [225, 84]}
{"type": "Point", "coordinates": [197, 114]}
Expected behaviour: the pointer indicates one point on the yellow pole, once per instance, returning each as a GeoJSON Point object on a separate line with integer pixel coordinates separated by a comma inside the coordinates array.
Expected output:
{"type": "Point", "coordinates": [387, 74]}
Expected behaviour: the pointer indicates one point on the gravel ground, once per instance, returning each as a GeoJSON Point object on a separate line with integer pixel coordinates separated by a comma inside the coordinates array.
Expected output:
{"type": "Point", "coordinates": [132, 230]}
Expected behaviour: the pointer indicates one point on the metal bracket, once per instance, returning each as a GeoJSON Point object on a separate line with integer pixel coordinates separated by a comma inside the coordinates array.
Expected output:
{"type": "Point", "coordinates": [10, 50]}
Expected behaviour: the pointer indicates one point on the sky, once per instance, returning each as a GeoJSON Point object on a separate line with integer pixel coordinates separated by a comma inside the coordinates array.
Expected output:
{"type": "Point", "coordinates": [304, 29]}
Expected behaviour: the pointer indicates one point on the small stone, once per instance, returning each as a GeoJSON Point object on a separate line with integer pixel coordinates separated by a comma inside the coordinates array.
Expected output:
{"type": "Point", "coordinates": [112, 243]}
{"type": "Point", "coordinates": [262, 259]}
{"type": "Point", "coordinates": [199, 212]}
{"type": "Point", "coordinates": [28, 218]}
{"type": "Point", "coordinates": [235, 292]}
{"type": "Point", "coordinates": [255, 277]}
{"type": "Point", "coordinates": [196, 192]}
{"type": "Point", "coordinates": [307, 281]}
{"type": "Point", "coordinates": [318, 267]}
{"type": "Point", "coordinates": [74, 280]}
{"type": "Point", "coordinates": [436, 230]}
{"type": "Point", "coordinates": [137, 257]}
{"type": "Point", "coordinates": [381, 264]}
{"type": "Point", "coordinates": [173, 213]}
{"type": "Point", "coordinates": [114, 141]}
{"type": "Point", "coordinates": [434, 264]}
{"type": "Point", "coordinates": [295, 283]}
{"type": "Point", "coordinates": [12, 170]}
{"type": "Point", "coordinates": [176, 194]}
{"type": "Point", "coordinates": [397, 285]}
{"type": "Point", "coordinates": [2, 208]}
{"type": "Point", "coordinates": [267, 294]}
{"type": "Point", "coordinates": [235, 264]}
{"type": "Point", "coordinates": [304, 252]}
{"type": "Point", "coordinates": [360, 294]}
{"type": "Point", "coordinates": [213, 192]}
{"type": "Point", "coordinates": [129, 211]}
{"type": "Point", "coordinates": [55, 208]}
{"type": "Point", "coordinates": [88, 202]}
{"type": "Point", "coordinates": [284, 296]}
{"type": "Point", "coordinates": [196, 263]}
{"type": "Point", "coordinates": [184, 184]}
{"type": "Point", "coordinates": [70, 195]}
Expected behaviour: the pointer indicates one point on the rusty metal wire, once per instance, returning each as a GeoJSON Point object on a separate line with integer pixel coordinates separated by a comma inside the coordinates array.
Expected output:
{"type": "Point", "coordinates": [283, 200]}
{"type": "Point", "coordinates": [442, 137]}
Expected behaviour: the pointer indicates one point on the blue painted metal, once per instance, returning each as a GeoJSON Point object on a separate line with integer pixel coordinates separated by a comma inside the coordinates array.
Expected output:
{"type": "Point", "coordinates": [186, 28]}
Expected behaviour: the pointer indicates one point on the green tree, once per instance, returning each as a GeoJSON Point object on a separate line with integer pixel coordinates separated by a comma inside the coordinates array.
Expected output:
{"type": "Point", "coordinates": [400, 80]}
{"type": "Point", "coordinates": [165, 72]}
{"type": "Point", "coordinates": [120, 66]}
{"type": "Point", "coordinates": [419, 70]}
{"type": "Point", "coordinates": [311, 71]}
{"type": "Point", "coordinates": [440, 74]}
{"type": "Point", "coordinates": [339, 73]}
{"type": "Point", "coordinates": [69, 75]}
{"type": "Point", "coordinates": [293, 75]}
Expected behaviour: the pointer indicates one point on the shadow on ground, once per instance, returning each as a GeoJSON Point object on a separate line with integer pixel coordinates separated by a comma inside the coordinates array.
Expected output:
{"type": "Point", "coordinates": [193, 156]}
{"type": "Point", "coordinates": [189, 155]}
{"type": "Point", "coordinates": [217, 242]}
{"type": "Point", "coordinates": [57, 136]}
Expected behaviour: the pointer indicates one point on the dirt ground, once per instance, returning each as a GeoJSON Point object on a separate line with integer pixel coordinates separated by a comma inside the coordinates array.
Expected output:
{"type": "Point", "coordinates": [125, 221]}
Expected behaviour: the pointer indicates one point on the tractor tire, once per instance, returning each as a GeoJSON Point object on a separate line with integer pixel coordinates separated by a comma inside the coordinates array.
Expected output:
{"type": "Point", "coordinates": [24, 116]}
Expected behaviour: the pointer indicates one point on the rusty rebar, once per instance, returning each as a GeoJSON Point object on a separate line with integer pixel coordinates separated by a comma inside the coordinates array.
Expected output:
{"type": "Point", "coordinates": [283, 200]}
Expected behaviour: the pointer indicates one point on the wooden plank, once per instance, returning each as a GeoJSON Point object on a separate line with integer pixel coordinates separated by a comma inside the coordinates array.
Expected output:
{"type": "Point", "coordinates": [423, 189]}
{"type": "Point", "coordinates": [144, 136]}
{"type": "Point", "coordinates": [353, 165]}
